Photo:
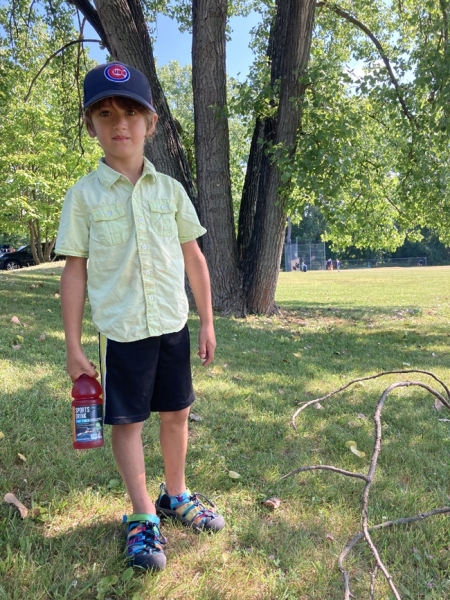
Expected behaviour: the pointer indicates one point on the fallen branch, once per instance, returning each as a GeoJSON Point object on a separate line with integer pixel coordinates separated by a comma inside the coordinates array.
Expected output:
{"type": "Point", "coordinates": [327, 468]}
{"type": "Point", "coordinates": [369, 377]}
{"type": "Point", "coordinates": [366, 530]}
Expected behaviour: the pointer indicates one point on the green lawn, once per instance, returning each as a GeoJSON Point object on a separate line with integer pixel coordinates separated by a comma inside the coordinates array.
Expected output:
{"type": "Point", "coordinates": [333, 327]}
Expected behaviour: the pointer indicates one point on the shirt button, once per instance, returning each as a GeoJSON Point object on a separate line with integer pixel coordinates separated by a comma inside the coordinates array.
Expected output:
{"type": "Point", "coordinates": [147, 272]}
{"type": "Point", "coordinates": [141, 220]}
{"type": "Point", "coordinates": [151, 297]}
{"type": "Point", "coordinates": [108, 213]}
{"type": "Point", "coordinates": [144, 246]}
{"type": "Point", "coordinates": [164, 206]}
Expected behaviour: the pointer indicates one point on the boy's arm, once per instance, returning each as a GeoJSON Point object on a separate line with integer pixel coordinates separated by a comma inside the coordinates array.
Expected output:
{"type": "Point", "coordinates": [73, 297]}
{"type": "Point", "coordinates": [198, 275]}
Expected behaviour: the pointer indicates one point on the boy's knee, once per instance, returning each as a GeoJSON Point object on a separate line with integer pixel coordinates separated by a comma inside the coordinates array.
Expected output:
{"type": "Point", "coordinates": [175, 416]}
{"type": "Point", "coordinates": [127, 428]}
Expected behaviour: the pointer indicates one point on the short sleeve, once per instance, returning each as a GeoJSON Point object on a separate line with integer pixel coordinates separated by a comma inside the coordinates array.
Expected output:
{"type": "Point", "coordinates": [189, 227]}
{"type": "Point", "coordinates": [73, 232]}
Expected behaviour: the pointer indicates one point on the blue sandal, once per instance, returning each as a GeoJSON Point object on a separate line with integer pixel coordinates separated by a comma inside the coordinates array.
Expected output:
{"type": "Point", "coordinates": [144, 542]}
{"type": "Point", "coordinates": [188, 509]}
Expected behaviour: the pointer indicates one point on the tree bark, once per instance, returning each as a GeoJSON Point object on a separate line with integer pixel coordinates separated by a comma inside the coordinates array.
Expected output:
{"type": "Point", "coordinates": [212, 153]}
{"type": "Point", "coordinates": [288, 51]}
{"type": "Point", "coordinates": [250, 191]}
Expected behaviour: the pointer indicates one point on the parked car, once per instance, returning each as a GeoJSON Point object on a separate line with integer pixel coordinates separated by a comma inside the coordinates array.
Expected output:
{"type": "Point", "coordinates": [21, 257]}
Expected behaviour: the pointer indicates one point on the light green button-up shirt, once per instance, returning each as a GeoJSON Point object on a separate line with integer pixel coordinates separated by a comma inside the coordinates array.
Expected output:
{"type": "Point", "coordinates": [132, 236]}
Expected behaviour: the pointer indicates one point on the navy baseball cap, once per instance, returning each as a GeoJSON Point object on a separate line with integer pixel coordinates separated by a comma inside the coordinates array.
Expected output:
{"type": "Point", "coordinates": [117, 79]}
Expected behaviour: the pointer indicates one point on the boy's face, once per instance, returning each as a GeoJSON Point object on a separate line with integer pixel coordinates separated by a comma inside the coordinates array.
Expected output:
{"type": "Point", "coordinates": [120, 132]}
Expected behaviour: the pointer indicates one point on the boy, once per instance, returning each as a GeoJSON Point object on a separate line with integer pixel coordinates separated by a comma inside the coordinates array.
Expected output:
{"type": "Point", "coordinates": [138, 228]}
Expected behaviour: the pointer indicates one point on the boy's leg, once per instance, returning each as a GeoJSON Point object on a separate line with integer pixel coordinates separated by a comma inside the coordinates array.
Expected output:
{"type": "Point", "coordinates": [128, 373]}
{"type": "Point", "coordinates": [173, 437]}
{"type": "Point", "coordinates": [129, 455]}
{"type": "Point", "coordinates": [174, 499]}
{"type": "Point", "coordinates": [144, 540]}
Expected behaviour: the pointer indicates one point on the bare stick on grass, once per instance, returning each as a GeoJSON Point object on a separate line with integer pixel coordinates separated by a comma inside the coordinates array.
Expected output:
{"type": "Point", "coordinates": [366, 530]}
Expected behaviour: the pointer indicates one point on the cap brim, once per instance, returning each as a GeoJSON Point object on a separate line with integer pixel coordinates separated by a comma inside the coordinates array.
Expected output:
{"type": "Point", "coordinates": [112, 93]}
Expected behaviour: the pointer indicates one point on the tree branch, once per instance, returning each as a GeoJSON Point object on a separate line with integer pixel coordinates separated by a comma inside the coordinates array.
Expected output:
{"type": "Point", "coordinates": [404, 521]}
{"type": "Point", "coordinates": [366, 530]}
{"type": "Point", "coordinates": [86, 9]}
{"type": "Point", "coordinates": [347, 385]}
{"type": "Point", "coordinates": [348, 17]}
{"type": "Point", "coordinates": [72, 43]}
{"type": "Point", "coordinates": [443, 5]}
{"type": "Point", "coordinates": [326, 468]}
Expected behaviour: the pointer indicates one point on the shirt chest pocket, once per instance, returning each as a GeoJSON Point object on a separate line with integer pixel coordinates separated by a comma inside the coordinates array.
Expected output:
{"type": "Point", "coordinates": [162, 217]}
{"type": "Point", "coordinates": [110, 226]}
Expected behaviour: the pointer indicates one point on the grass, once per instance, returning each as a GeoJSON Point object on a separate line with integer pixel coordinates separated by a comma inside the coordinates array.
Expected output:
{"type": "Point", "coordinates": [333, 327]}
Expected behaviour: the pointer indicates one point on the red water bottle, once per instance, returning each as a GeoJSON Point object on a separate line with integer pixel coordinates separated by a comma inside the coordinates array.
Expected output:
{"type": "Point", "coordinates": [87, 413]}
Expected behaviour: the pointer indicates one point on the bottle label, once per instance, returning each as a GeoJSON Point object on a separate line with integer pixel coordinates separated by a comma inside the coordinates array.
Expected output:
{"type": "Point", "coordinates": [88, 422]}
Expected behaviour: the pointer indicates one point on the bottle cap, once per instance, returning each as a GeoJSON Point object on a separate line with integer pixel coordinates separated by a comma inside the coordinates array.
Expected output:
{"type": "Point", "coordinates": [86, 387]}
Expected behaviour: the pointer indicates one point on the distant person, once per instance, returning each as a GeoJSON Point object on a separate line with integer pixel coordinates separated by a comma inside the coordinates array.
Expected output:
{"type": "Point", "coordinates": [329, 265]}
{"type": "Point", "coordinates": [304, 267]}
{"type": "Point", "coordinates": [420, 263]}
{"type": "Point", "coordinates": [138, 229]}
{"type": "Point", "coordinates": [338, 264]}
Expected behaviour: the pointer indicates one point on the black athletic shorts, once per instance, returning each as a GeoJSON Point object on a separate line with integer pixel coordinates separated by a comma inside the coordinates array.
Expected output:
{"type": "Point", "coordinates": [145, 376]}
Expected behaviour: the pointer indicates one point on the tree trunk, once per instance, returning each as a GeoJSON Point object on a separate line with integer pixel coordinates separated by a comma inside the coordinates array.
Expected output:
{"type": "Point", "coordinates": [244, 279]}
{"type": "Point", "coordinates": [250, 191]}
{"type": "Point", "coordinates": [121, 25]}
{"type": "Point", "coordinates": [212, 153]}
{"type": "Point", "coordinates": [289, 50]}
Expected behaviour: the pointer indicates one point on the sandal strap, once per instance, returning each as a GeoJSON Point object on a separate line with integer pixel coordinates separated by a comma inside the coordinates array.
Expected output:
{"type": "Point", "coordinates": [142, 517]}
{"type": "Point", "coordinates": [192, 503]}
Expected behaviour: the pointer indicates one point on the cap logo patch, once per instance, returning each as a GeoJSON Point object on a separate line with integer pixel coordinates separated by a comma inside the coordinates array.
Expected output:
{"type": "Point", "coordinates": [117, 73]}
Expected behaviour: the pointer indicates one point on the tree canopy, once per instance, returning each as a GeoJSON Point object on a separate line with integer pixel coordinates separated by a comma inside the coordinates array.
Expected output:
{"type": "Point", "coordinates": [374, 149]}
{"type": "Point", "coordinates": [41, 153]}
{"type": "Point", "coordinates": [346, 109]}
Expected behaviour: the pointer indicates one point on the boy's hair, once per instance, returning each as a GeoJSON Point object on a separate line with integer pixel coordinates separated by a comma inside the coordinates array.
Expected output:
{"type": "Point", "coordinates": [123, 103]}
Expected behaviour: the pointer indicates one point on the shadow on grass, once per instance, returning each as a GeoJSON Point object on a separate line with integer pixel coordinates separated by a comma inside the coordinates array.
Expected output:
{"type": "Point", "coordinates": [265, 368]}
{"type": "Point", "coordinates": [68, 564]}
{"type": "Point", "coordinates": [79, 561]}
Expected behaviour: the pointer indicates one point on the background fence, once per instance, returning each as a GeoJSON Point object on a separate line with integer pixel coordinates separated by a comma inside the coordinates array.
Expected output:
{"type": "Point", "coordinates": [311, 255]}
{"type": "Point", "coordinates": [416, 261]}
{"type": "Point", "coordinates": [298, 257]}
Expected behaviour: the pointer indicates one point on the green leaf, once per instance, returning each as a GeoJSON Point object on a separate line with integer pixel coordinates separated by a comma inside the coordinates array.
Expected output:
{"type": "Point", "coordinates": [127, 575]}
{"type": "Point", "coordinates": [113, 483]}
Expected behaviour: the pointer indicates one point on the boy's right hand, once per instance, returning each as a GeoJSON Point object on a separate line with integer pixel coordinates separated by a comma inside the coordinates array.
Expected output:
{"type": "Point", "coordinates": [78, 364]}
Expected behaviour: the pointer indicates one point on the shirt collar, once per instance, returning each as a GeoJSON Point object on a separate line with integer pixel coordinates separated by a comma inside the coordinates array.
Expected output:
{"type": "Point", "coordinates": [108, 176]}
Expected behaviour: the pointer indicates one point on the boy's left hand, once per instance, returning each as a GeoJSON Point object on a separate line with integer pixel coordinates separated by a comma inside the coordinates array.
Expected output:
{"type": "Point", "coordinates": [206, 344]}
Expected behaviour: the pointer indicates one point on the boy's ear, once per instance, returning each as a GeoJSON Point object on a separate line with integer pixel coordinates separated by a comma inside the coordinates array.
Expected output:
{"type": "Point", "coordinates": [89, 128]}
{"type": "Point", "coordinates": [151, 128]}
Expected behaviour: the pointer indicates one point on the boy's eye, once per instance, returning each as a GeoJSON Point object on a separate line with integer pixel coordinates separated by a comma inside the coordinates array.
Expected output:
{"type": "Point", "coordinates": [131, 112]}
{"type": "Point", "coordinates": [104, 113]}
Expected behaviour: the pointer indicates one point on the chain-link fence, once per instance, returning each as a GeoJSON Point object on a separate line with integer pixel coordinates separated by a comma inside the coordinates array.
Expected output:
{"type": "Point", "coordinates": [303, 257]}
{"type": "Point", "coordinates": [415, 261]}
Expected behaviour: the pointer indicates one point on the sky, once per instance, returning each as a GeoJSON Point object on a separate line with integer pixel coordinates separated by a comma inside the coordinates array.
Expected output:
{"type": "Point", "coordinates": [172, 45]}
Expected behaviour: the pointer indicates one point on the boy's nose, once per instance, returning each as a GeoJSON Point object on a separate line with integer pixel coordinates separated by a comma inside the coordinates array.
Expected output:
{"type": "Point", "coordinates": [119, 121]}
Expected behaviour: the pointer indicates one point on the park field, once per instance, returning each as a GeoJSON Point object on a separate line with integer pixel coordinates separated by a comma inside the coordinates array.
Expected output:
{"type": "Point", "coordinates": [332, 328]}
